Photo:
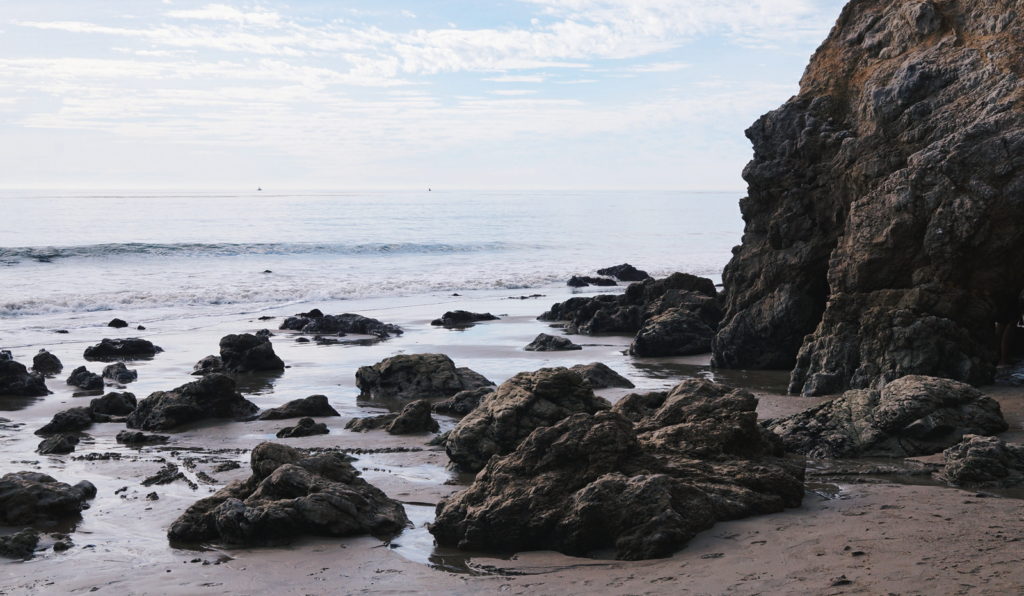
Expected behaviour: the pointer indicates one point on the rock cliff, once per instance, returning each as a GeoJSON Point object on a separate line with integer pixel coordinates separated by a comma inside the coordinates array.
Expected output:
{"type": "Point", "coordinates": [883, 219]}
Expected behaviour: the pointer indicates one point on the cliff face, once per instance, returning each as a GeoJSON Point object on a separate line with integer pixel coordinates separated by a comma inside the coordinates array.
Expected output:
{"type": "Point", "coordinates": [885, 213]}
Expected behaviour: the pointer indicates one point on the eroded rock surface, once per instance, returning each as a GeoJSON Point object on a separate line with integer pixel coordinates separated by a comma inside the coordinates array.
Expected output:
{"type": "Point", "coordinates": [551, 343]}
{"type": "Point", "coordinates": [601, 376]}
{"type": "Point", "coordinates": [463, 402]}
{"type": "Point", "coordinates": [416, 376]}
{"type": "Point", "coordinates": [315, 321]}
{"type": "Point", "coordinates": [46, 363]}
{"type": "Point", "coordinates": [84, 379]}
{"type": "Point", "coordinates": [983, 462]}
{"type": "Point", "coordinates": [246, 353]}
{"type": "Point", "coordinates": [213, 396]}
{"type": "Point", "coordinates": [59, 444]}
{"type": "Point", "coordinates": [131, 348]}
{"type": "Point", "coordinates": [624, 272]}
{"type": "Point", "coordinates": [314, 405]}
{"type": "Point", "coordinates": [16, 380]}
{"type": "Point", "coordinates": [120, 373]}
{"type": "Point", "coordinates": [305, 427]}
{"type": "Point", "coordinates": [462, 318]}
{"type": "Point", "coordinates": [34, 497]}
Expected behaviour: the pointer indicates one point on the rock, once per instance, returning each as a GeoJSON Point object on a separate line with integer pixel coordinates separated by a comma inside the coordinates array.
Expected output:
{"type": "Point", "coordinates": [264, 333]}
{"type": "Point", "coordinates": [361, 425]}
{"type": "Point", "coordinates": [117, 323]}
{"type": "Point", "coordinates": [521, 404]}
{"type": "Point", "coordinates": [463, 402]}
{"type": "Point", "coordinates": [35, 498]}
{"type": "Point", "coordinates": [16, 380]}
{"type": "Point", "coordinates": [165, 475]}
{"type": "Point", "coordinates": [134, 437]}
{"type": "Point", "coordinates": [5, 355]}
{"type": "Point", "coordinates": [119, 373]}
{"type": "Point", "coordinates": [551, 343]}
{"type": "Point", "coordinates": [462, 318]}
{"type": "Point", "coordinates": [212, 396]}
{"type": "Point", "coordinates": [314, 405]}
{"type": "Point", "coordinates": [624, 272]}
{"type": "Point", "coordinates": [57, 444]}
{"type": "Point", "coordinates": [600, 376]}
{"type": "Point", "coordinates": [304, 428]}
{"type": "Point", "coordinates": [46, 363]}
{"type": "Point", "coordinates": [70, 420]}
{"type": "Point", "coordinates": [131, 348]}
{"type": "Point", "coordinates": [246, 353]}
{"type": "Point", "coordinates": [112, 406]}
{"type": "Point", "coordinates": [675, 332]}
{"type": "Point", "coordinates": [882, 235]}
{"type": "Point", "coordinates": [582, 281]}
{"type": "Point", "coordinates": [141, 328]}
{"type": "Point", "coordinates": [19, 546]}
{"type": "Point", "coordinates": [415, 376]}
{"type": "Point", "coordinates": [288, 495]}
{"type": "Point", "coordinates": [83, 379]}
{"type": "Point", "coordinates": [208, 364]}
{"type": "Point", "coordinates": [913, 415]}
{"type": "Point", "coordinates": [594, 481]}
{"type": "Point", "coordinates": [316, 322]}
{"type": "Point", "coordinates": [414, 418]}
{"type": "Point", "coordinates": [983, 462]}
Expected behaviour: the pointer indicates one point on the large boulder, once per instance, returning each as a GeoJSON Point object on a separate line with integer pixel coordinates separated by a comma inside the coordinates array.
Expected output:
{"type": "Point", "coordinates": [414, 418]}
{"type": "Point", "coordinates": [521, 404]}
{"type": "Point", "coordinates": [136, 438]}
{"type": "Point", "coordinates": [84, 379]}
{"type": "Point", "coordinates": [131, 348]}
{"type": "Point", "coordinates": [983, 462]}
{"type": "Point", "coordinates": [35, 498]}
{"type": "Point", "coordinates": [416, 376]}
{"type": "Point", "coordinates": [46, 363]}
{"type": "Point", "coordinates": [624, 272]}
{"type": "Point", "coordinates": [246, 353]}
{"type": "Point", "coordinates": [316, 322]}
{"type": "Point", "coordinates": [16, 380]}
{"type": "Point", "coordinates": [208, 364]}
{"type": "Point", "coordinates": [882, 231]}
{"type": "Point", "coordinates": [21, 545]}
{"type": "Point", "coordinates": [462, 318]}
{"type": "Point", "coordinates": [913, 415]}
{"type": "Point", "coordinates": [592, 482]}
{"type": "Point", "coordinates": [551, 343]}
{"type": "Point", "coordinates": [582, 281]}
{"type": "Point", "coordinates": [601, 376]}
{"type": "Point", "coordinates": [314, 405]}
{"type": "Point", "coordinates": [675, 332]}
{"type": "Point", "coordinates": [305, 427]}
{"type": "Point", "coordinates": [213, 396]}
{"type": "Point", "coordinates": [463, 402]}
{"type": "Point", "coordinates": [113, 406]}
{"type": "Point", "coordinates": [291, 494]}
{"type": "Point", "coordinates": [70, 420]}
{"type": "Point", "coordinates": [60, 444]}
{"type": "Point", "coordinates": [119, 373]}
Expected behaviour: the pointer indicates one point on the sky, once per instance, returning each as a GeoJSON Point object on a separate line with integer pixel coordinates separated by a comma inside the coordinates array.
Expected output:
{"type": "Point", "coordinates": [382, 94]}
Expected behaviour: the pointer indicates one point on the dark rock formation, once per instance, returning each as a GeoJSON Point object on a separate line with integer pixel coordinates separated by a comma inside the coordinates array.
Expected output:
{"type": "Point", "coordinates": [131, 348]}
{"type": "Point", "coordinates": [314, 405]}
{"type": "Point", "coordinates": [291, 494]}
{"type": "Point", "coordinates": [463, 402]}
{"type": "Point", "coordinates": [70, 420]}
{"type": "Point", "coordinates": [305, 427]}
{"type": "Point", "coordinates": [582, 281]}
{"type": "Point", "coordinates": [882, 220]}
{"type": "Point", "coordinates": [551, 343]}
{"type": "Point", "coordinates": [16, 380]}
{"type": "Point", "coordinates": [521, 404]}
{"type": "Point", "coordinates": [596, 481]}
{"type": "Point", "coordinates": [117, 323]}
{"type": "Point", "coordinates": [112, 406]}
{"type": "Point", "coordinates": [245, 353]}
{"type": "Point", "coordinates": [58, 444]}
{"type": "Point", "coordinates": [416, 376]}
{"type": "Point", "coordinates": [675, 332]}
{"type": "Point", "coordinates": [600, 376]}
{"type": "Point", "coordinates": [414, 418]}
{"type": "Point", "coordinates": [213, 396]}
{"type": "Point", "coordinates": [914, 415]}
{"type": "Point", "coordinates": [46, 363]}
{"type": "Point", "coordinates": [21, 545]}
{"type": "Point", "coordinates": [362, 425]}
{"type": "Point", "coordinates": [462, 318]}
{"type": "Point", "coordinates": [35, 498]}
{"type": "Point", "coordinates": [983, 462]}
{"type": "Point", "coordinates": [208, 364]}
{"type": "Point", "coordinates": [624, 272]}
{"type": "Point", "coordinates": [83, 379]}
{"type": "Point", "coordinates": [120, 373]}
{"type": "Point", "coordinates": [134, 437]}
{"type": "Point", "coordinates": [316, 322]}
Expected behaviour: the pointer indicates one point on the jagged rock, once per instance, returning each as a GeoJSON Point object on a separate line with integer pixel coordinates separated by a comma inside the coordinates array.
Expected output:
{"type": "Point", "coordinates": [58, 444]}
{"type": "Point", "coordinates": [266, 333]}
{"type": "Point", "coordinates": [675, 332]}
{"type": "Point", "coordinates": [291, 494]}
{"type": "Point", "coordinates": [314, 405]}
{"type": "Point", "coordinates": [112, 406]}
{"type": "Point", "coordinates": [134, 437]}
{"type": "Point", "coordinates": [212, 396]}
{"type": "Point", "coordinates": [463, 402]}
{"type": "Point", "coordinates": [35, 498]}
{"type": "Point", "coordinates": [414, 418]}
{"type": "Point", "coordinates": [521, 404]}
{"type": "Point", "coordinates": [600, 376]}
{"type": "Point", "coordinates": [208, 364]}
{"type": "Point", "coordinates": [316, 322]}
{"type": "Point", "coordinates": [131, 348]}
{"type": "Point", "coordinates": [5, 355]}
{"type": "Point", "coordinates": [913, 415]}
{"type": "Point", "coordinates": [416, 376]}
{"type": "Point", "coordinates": [46, 363]}
{"type": "Point", "coordinates": [983, 462]}
{"type": "Point", "coordinates": [582, 281]}
{"type": "Point", "coordinates": [165, 475]}
{"type": "Point", "coordinates": [624, 272]}
{"type": "Point", "coordinates": [83, 379]}
{"type": "Point", "coordinates": [882, 220]}
{"type": "Point", "coordinates": [593, 481]}
{"type": "Point", "coordinates": [245, 352]}
{"type": "Point", "coordinates": [361, 425]}
{"type": "Point", "coordinates": [117, 323]}
{"type": "Point", "coordinates": [304, 428]}
{"type": "Point", "coordinates": [462, 318]}
{"type": "Point", "coordinates": [551, 343]}
{"type": "Point", "coordinates": [70, 420]}
{"type": "Point", "coordinates": [16, 380]}
{"type": "Point", "coordinates": [120, 373]}
{"type": "Point", "coordinates": [19, 546]}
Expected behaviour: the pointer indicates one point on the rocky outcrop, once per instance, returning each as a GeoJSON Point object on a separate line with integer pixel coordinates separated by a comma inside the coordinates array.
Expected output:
{"type": "Point", "coordinates": [70, 420]}
{"type": "Point", "coordinates": [35, 498]}
{"type": "Point", "coordinates": [416, 376]}
{"type": "Point", "coordinates": [117, 323]}
{"type": "Point", "coordinates": [314, 405]}
{"type": "Point", "coordinates": [675, 332]}
{"type": "Point", "coordinates": [16, 380]}
{"type": "Point", "coordinates": [305, 427]}
{"type": "Point", "coordinates": [463, 402]}
{"type": "Point", "coordinates": [462, 318]}
{"type": "Point", "coordinates": [624, 272]}
{"type": "Point", "coordinates": [914, 415]}
{"type": "Point", "coordinates": [551, 343]}
{"type": "Point", "coordinates": [213, 396]}
{"type": "Point", "coordinates": [247, 353]}
{"type": "Point", "coordinates": [291, 494]}
{"type": "Point", "coordinates": [131, 348]}
{"type": "Point", "coordinates": [983, 462]}
{"type": "Point", "coordinates": [521, 404]}
{"type": "Point", "coordinates": [21, 545]}
{"type": "Point", "coordinates": [208, 364]}
{"type": "Point", "coordinates": [600, 376]}
{"type": "Point", "coordinates": [134, 438]}
{"type": "Point", "coordinates": [598, 481]}
{"type": "Point", "coordinates": [113, 406]}
{"type": "Point", "coordinates": [119, 373]}
{"type": "Point", "coordinates": [315, 321]}
{"type": "Point", "coordinates": [582, 281]}
{"type": "Point", "coordinates": [83, 379]}
{"type": "Point", "coordinates": [882, 234]}
{"type": "Point", "coordinates": [59, 444]}
{"type": "Point", "coordinates": [414, 418]}
{"type": "Point", "coordinates": [46, 363]}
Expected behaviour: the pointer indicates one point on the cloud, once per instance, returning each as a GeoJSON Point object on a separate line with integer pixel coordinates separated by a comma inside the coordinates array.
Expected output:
{"type": "Point", "coordinates": [512, 92]}
{"type": "Point", "coordinates": [660, 67]}
{"type": "Point", "coordinates": [223, 12]}
{"type": "Point", "coordinates": [517, 79]}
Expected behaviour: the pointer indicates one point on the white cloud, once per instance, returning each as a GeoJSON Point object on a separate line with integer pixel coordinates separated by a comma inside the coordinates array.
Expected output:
{"type": "Point", "coordinates": [660, 67]}
{"type": "Point", "coordinates": [512, 92]}
{"type": "Point", "coordinates": [517, 79]}
{"type": "Point", "coordinates": [223, 12]}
